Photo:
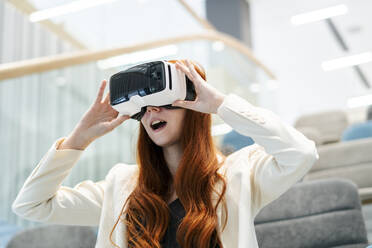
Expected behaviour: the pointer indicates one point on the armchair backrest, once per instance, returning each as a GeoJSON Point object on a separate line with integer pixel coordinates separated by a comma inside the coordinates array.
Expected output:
{"type": "Point", "coordinates": [56, 236]}
{"type": "Point", "coordinates": [328, 125]}
{"type": "Point", "coordinates": [321, 213]}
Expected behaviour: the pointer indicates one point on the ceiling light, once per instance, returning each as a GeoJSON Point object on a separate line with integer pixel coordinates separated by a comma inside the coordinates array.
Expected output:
{"type": "Point", "coordinates": [347, 61]}
{"type": "Point", "coordinates": [359, 101]}
{"type": "Point", "coordinates": [137, 57]}
{"type": "Point", "coordinates": [66, 9]}
{"type": "Point", "coordinates": [318, 15]}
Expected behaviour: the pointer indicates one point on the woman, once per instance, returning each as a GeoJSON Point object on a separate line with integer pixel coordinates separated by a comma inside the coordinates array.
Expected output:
{"type": "Point", "coordinates": [183, 192]}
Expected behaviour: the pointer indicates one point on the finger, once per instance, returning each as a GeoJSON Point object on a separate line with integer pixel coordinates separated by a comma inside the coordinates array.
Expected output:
{"type": "Point", "coordinates": [118, 120]}
{"type": "Point", "coordinates": [184, 104]}
{"type": "Point", "coordinates": [190, 76]}
{"type": "Point", "coordinates": [185, 70]}
{"type": "Point", "coordinates": [181, 66]}
{"type": "Point", "coordinates": [100, 92]}
{"type": "Point", "coordinates": [193, 72]}
{"type": "Point", "coordinates": [107, 98]}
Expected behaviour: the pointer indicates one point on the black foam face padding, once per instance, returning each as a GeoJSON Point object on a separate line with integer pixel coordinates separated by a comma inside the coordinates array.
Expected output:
{"type": "Point", "coordinates": [138, 116]}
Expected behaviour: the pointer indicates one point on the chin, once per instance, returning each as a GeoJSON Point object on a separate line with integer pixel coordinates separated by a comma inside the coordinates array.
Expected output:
{"type": "Point", "coordinates": [164, 142]}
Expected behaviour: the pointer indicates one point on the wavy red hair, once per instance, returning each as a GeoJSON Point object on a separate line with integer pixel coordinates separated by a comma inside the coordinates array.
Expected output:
{"type": "Point", "coordinates": [147, 212]}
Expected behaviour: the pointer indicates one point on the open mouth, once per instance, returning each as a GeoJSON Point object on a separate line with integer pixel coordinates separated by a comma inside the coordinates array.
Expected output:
{"type": "Point", "coordinates": [157, 125]}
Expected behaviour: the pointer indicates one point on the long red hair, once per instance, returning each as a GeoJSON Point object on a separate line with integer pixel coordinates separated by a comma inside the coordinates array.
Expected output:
{"type": "Point", "coordinates": [147, 213]}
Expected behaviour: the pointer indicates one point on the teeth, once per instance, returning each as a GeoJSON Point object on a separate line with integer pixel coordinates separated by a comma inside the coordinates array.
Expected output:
{"type": "Point", "coordinates": [155, 122]}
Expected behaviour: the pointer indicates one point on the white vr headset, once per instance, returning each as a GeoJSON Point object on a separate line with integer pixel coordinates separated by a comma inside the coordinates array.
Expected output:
{"type": "Point", "coordinates": [156, 83]}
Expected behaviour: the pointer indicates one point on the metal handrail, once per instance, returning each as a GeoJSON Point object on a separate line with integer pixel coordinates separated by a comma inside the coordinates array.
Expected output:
{"type": "Point", "coordinates": [37, 65]}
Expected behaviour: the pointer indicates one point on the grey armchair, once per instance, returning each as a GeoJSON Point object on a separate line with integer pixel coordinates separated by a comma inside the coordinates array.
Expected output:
{"type": "Point", "coordinates": [338, 159]}
{"type": "Point", "coordinates": [317, 214]}
{"type": "Point", "coordinates": [56, 236]}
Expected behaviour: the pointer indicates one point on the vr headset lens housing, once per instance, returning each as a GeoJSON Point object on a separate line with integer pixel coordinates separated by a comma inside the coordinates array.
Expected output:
{"type": "Point", "coordinates": [140, 80]}
{"type": "Point", "coordinates": [156, 83]}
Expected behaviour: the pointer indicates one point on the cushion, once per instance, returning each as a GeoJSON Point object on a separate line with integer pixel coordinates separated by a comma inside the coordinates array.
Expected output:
{"type": "Point", "coordinates": [322, 213]}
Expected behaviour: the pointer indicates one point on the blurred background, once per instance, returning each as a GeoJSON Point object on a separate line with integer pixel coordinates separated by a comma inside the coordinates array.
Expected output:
{"type": "Point", "coordinates": [307, 61]}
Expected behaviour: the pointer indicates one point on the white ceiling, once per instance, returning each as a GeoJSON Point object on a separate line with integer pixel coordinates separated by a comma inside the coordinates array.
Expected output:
{"type": "Point", "coordinates": [125, 22]}
{"type": "Point", "coordinates": [295, 53]}
{"type": "Point", "coordinates": [355, 27]}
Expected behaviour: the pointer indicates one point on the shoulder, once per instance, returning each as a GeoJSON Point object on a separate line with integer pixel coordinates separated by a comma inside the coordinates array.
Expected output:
{"type": "Point", "coordinates": [247, 153]}
{"type": "Point", "coordinates": [243, 158]}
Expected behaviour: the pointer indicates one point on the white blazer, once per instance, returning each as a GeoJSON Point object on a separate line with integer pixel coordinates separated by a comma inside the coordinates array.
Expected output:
{"type": "Point", "coordinates": [255, 175]}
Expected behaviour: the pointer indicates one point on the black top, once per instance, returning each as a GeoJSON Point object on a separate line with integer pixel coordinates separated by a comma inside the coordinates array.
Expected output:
{"type": "Point", "coordinates": [177, 212]}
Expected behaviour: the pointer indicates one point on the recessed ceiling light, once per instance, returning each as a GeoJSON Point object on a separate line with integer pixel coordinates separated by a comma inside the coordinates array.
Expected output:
{"type": "Point", "coordinates": [347, 61]}
{"type": "Point", "coordinates": [318, 15]}
{"type": "Point", "coordinates": [66, 9]}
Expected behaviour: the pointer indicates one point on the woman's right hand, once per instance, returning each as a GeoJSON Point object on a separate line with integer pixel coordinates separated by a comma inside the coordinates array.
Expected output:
{"type": "Point", "coordinates": [99, 119]}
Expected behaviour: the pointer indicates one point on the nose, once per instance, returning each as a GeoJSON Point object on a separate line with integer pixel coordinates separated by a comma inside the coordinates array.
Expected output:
{"type": "Point", "coordinates": [152, 108]}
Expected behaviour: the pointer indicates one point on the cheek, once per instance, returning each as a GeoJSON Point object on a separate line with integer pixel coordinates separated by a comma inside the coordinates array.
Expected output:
{"type": "Point", "coordinates": [175, 130]}
{"type": "Point", "coordinates": [179, 123]}
{"type": "Point", "coordinates": [179, 118]}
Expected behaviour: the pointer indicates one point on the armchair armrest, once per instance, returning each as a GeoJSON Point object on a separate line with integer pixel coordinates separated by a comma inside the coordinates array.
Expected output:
{"type": "Point", "coordinates": [343, 154]}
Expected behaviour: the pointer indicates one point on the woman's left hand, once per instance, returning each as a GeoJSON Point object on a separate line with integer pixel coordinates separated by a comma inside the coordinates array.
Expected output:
{"type": "Point", "coordinates": [208, 98]}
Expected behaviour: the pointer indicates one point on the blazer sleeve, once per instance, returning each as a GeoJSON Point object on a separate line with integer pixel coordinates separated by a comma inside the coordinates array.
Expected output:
{"type": "Point", "coordinates": [43, 199]}
{"type": "Point", "coordinates": [280, 156]}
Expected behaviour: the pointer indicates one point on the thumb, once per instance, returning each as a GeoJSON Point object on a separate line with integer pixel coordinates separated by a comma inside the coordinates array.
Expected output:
{"type": "Point", "coordinates": [118, 120]}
